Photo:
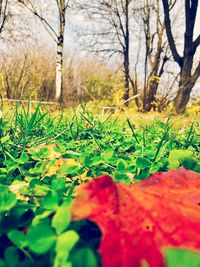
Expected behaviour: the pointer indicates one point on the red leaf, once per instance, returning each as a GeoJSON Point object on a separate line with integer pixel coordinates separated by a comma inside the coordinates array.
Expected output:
{"type": "Point", "coordinates": [137, 221]}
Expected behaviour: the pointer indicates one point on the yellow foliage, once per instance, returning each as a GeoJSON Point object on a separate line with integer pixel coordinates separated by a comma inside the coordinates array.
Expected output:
{"type": "Point", "coordinates": [1, 84]}
{"type": "Point", "coordinates": [70, 162]}
{"type": "Point", "coordinates": [194, 108]}
{"type": "Point", "coordinates": [110, 92]}
{"type": "Point", "coordinates": [16, 187]}
{"type": "Point", "coordinates": [154, 78]}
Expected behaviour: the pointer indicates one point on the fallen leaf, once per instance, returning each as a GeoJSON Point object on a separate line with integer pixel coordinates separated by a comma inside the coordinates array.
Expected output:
{"type": "Point", "coordinates": [70, 162]}
{"type": "Point", "coordinates": [15, 188]}
{"type": "Point", "coordinates": [58, 164]}
{"type": "Point", "coordinates": [139, 221]}
{"type": "Point", "coordinates": [51, 147]}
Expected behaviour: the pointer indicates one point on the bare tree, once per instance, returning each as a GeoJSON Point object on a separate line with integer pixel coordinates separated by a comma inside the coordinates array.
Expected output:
{"type": "Point", "coordinates": [188, 73]}
{"type": "Point", "coordinates": [16, 82]}
{"type": "Point", "coordinates": [37, 9]}
{"type": "Point", "coordinates": [156, 50]}
{"type": "Point", "coordinates": [27, 73]}
{"type": "Point", "coordinates": [111, 36]}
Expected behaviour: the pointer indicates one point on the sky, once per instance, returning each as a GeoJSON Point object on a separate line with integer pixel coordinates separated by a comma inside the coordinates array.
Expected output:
{"type": "Point", "coordinates": [76, 24]}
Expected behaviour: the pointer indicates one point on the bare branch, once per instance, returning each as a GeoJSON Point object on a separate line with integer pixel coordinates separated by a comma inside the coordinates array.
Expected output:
{"type": "Point", "coordinates": [196, 42]}
{"type": "Point", "coordinates": [3, 14]}
{"type": "Point", "coordinates": [173, 47]}
{"type": "Point", "coordinates": [196, 74]}
{"type": "Point", "coordinates": [29, 6]}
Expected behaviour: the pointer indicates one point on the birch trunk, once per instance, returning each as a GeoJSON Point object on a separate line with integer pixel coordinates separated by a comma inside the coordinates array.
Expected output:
{"type": "Point", "coordinates": [59, 72]}
{"type": "Point", "coordinates": [56, 33]}
{"type": "Point", "coordinates": [59, 56]}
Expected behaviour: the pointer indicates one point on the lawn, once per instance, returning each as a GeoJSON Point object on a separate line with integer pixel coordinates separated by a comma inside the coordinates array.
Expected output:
{"type": "Point", "coordinates": [45, 156]}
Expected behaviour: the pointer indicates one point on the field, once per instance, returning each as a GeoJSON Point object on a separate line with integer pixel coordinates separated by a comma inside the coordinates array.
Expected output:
{"type": "Point", "coordinates": [46, 156]}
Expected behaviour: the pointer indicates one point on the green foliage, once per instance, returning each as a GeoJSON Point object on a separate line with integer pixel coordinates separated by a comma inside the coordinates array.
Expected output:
{"type": "Point", "coordinates": [182, 258]}
{"type": "Point", "coordinates": [66, 240]}
{"type": "Point", "coordinates": [97, 88]}
{"type": "Point", "coordinates": [7, 199]}
{"type": "Point", "coordinates": [61, 219]}
{"type": "Point", "coordinates": [85, 257]}
{"type": "Point", "coordinates": [40, 238]}
{"type": "Point", "coordinates": [106, 91]}
{"type": "Point", "coordinates": [183, 158]}
{"type": "Point", "coordinates": [36, 188]}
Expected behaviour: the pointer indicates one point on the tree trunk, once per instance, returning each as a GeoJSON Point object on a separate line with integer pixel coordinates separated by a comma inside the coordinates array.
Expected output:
{"type": "Point", "coordinates": [1, 7]}
{"type": "Point", "coordinates": [126, 53]}
{"type": "Point", "coordinates": [182, 97]}
{"type": "Point", "coordinates": [59, 72]}
{"type": "Point", "coordinates": [185, 86]}
{"type": "Point", "coordinates": [134, 84]}
{"type": "Point", "coordinates": [135, 92]}
{"type": "Point", "coordinates": [126, 83]}
{"type": "Point", "coordinates": [187, 79]}
{"type": "Point", "coordinates": [152, 91]}
{"type": "Point", "coordinates": [186, 83]}
{"type": "Point", "coordinates": [145, 74]}
{"type": "Point", "coordinates": [154, 80]}
{"type": "Point", "coordinates": [59, 57]}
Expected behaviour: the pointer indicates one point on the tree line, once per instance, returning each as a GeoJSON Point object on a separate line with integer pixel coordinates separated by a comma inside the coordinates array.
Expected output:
{"type": "Point", "coordinates": [139, 37]}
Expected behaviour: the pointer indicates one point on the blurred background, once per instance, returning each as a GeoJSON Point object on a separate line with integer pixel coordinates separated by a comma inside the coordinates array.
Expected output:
{"type": "Point", "coordinates": [101, 52]}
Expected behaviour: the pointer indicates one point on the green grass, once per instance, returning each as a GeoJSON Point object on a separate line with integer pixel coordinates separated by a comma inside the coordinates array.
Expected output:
{"type": "Point", "coordinates": [34, 203]}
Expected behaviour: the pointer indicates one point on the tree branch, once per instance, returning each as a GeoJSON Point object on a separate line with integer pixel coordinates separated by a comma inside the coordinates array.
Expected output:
{"type": "Point", "coordinates": [170, 37]}
{"type": "Point", "coordinates": [34, 11]}
{"type": "Point", "coordinates": [196, 42]}
{"type": "Point", "coordinates": [196, 74]}
{"type": "Point", "coordinates": [3, 14]}
{"type": "Point", "coordinates": [67, 4]}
